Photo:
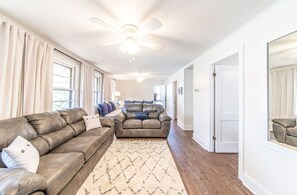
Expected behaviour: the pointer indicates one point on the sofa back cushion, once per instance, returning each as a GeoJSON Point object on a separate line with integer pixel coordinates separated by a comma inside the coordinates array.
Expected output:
{"type": "Point", "coordinates": [11, 128]}
{"type": "Point", "coordinates": [46, 122]}
{"type": "Point", "coordinates": [51, 129]}
{"type": "Point", "coordinates": [153, 108]}
{"type": "Point", "coordinates": [132, 107]}
{"type": "Point", "coordinates": [74, 118]}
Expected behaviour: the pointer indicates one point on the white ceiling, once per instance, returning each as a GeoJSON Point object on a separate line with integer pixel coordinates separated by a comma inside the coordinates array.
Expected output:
{"type": "Point", "coordinates": [189, 28]}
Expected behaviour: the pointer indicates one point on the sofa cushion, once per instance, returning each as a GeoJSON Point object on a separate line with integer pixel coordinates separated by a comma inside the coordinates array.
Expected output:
{"type": "Point", "coordinates": [292, 131]}
{"type": "Point", "coordinates": [11, 128]}
{"type": "Point", "coordinates": [138, 101]}
{"type": "Point", "coordinates": [154, 115]}
{"type": "Point", "coordinates": [151, 124]}
{"type": "Point", "coordinates": [130, 115]}
{"type": "Point", "coordinates": [135, 107]}
{"type": "Point", "coordinates": [132, 124]}
{"type": "Point", "coordinates": [18, 181]}
{"type": "Point", "coordinates": [153, 108]}
{"type": "Point", "coordinates": [57, 138]}
{"type": "Point", "coordinates": [46, 122]}
{"type": "Point", "coordinates": [104, 109]}
{"type": "Point", "coordinates": [103, 133]}
{"type": "Point", "coordinates": [78, 127]}
{"type": "Point", "coordinates": [73, 115]}
{"type": "Point", "coordinates": [141, 115]}
{"type": "Point", "coordinates": [58, 169]}
{"type": "Point", "coordinates": [86, 145]}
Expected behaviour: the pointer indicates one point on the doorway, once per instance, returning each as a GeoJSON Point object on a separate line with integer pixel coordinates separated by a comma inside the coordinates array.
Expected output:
{"type": "Point", "coordinates": [226, 105]}
{"type": "Point", "coordinates": [188, 98]}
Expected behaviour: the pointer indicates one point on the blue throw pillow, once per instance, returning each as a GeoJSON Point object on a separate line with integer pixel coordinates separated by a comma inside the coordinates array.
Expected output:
{"type": "Point", "coordinates": [128, 101]}
{"type": "Point", "coordinates": [99, 110]}
{"type": "Point", "coordinates": [148, 102]}
{"type": "Point", "coordinates": [135, 101]}
{"type": "Point", "coordinates": [109, 108]}
{"type": "Point", "coordinates": [141, 115]}
{"type": "Point", "coordinates": [104, 109]}
{"type": "Point", "coordinates": [113, 106]}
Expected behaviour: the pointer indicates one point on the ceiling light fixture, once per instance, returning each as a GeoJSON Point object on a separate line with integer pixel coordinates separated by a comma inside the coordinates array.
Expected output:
{"type": "Point", "coordinates": [130, 47]}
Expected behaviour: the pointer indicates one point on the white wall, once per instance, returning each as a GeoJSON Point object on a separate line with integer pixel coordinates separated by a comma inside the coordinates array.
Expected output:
{"type": "Point", "coordinates": [133, 90]}
{"type": "Point", "coordinates": [188, 97]}
{"type": "Point", "coordinates": [265, 167]}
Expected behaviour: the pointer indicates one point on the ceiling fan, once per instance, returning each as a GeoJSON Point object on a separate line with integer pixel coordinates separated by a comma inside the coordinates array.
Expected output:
{"type": "Point", "coordinates": [131, 36]}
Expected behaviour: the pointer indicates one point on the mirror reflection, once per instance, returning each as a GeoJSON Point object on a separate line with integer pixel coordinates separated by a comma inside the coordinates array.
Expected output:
{"type": "Point", "coordinates": [282, 66]}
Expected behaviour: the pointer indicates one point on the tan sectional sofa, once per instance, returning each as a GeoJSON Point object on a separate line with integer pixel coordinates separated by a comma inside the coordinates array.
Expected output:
{"type": "Point", "coordinates": [68, 152]}
{"type": "Point", "coordinates": [156, 125]}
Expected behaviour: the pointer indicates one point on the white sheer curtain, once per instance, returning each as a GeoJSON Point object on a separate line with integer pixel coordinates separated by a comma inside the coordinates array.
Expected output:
{"type": "Point", "coordinates": [38, 71]}
{"type": "Point", "coordinates": [11, 52]}
{"type": "Point", "coordinates": [282, 92]}
{"type": "Point", "coordinates": [87, 88]}
{"type": "Point", "coordinates": [106, 88]}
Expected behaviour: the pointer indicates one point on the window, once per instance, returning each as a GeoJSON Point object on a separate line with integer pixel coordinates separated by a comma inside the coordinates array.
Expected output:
{"type": "Point", "coordinates": [112, 89]}
{"type": "Point", "coordinates": [65, 82]}
{"type": "Point", "coordinates": [159, 93]}
{"type": "Point", "coordinates": [97, 87]}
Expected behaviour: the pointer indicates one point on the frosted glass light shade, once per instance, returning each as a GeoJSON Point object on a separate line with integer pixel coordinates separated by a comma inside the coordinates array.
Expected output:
{"type": "Point", "coordinates": [130, 47]}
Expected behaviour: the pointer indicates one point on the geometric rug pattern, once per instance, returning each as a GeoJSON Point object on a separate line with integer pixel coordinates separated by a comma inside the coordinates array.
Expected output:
{"type": "Point", "coordinates": [135, 166]}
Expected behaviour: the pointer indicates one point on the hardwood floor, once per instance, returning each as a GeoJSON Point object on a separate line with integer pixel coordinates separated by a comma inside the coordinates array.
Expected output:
{"type": "Point", "coordinates": [203, 172]}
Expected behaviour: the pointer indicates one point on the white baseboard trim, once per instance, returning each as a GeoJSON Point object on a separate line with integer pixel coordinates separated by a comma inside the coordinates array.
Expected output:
{"type": "Point", "coordinates": [180, 124]}
{"type": "Point", "coordinates": [201, 142]}
{"type": "Point", "coordinates": [188, 127]}
{"type": "Point", "coordinates": [253, 186]}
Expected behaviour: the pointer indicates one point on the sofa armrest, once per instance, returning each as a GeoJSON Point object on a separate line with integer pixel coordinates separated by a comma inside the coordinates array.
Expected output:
{"type": "Point", "coordinates": [107, 122]}
{"type": "Point", "coordinates": [285, 122]}
{"type": "Point", "coordinates": [121, 117]}
{"type": "Point", "coordinates": [19, 181]}
{"type": "Point", "coordinates": [164, 117]}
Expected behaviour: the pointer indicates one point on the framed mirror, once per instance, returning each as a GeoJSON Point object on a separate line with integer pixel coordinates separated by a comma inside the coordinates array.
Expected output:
{"type": "Point", "coordinates": [282, 89]}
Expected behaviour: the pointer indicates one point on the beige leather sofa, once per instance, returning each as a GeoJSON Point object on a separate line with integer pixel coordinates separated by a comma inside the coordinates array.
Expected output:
{"type": "Point", "coordinates": [285, 130]}
{"type": "Point", "coordinates": [68, 152]}
{"type": "Point", "coordinates": [156, 125]}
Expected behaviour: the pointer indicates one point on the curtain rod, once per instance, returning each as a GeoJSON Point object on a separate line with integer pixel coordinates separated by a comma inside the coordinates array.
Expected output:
{"type": "Point", "coordinates": [67, 55]}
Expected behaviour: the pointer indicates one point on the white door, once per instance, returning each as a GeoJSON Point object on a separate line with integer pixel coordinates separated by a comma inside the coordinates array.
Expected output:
{"type": "Point", "coordinates": [226, 109]}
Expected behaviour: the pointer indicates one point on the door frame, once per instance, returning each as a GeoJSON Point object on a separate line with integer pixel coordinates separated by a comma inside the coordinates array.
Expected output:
{"type": "Point", "coordinates": [174, 93]}
{"type": "Point", "coordinates": [212, 100]}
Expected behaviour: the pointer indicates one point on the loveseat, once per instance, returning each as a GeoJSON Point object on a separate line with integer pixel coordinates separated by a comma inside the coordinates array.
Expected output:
{"type": "Point", "coordinates": [68, 152]}
{"type": "Point", "coordinates": [142, 120]}
{"type": "Point", "coordinates": [285, 130]}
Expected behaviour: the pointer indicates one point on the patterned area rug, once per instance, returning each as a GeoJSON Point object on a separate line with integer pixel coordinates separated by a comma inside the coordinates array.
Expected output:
{"type": "Point", "coordinates": [139, 166]}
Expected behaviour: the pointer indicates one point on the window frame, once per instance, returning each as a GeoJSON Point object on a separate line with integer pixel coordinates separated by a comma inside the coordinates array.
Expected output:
{"type": "Point", "coordinates": [74, 89]}
{"type": "Point", "coordinates": [98, 92]}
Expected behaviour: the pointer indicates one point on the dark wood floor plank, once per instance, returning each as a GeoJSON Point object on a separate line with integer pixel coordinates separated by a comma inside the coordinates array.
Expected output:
{"type": "Point", "coordinates": [203, 172]}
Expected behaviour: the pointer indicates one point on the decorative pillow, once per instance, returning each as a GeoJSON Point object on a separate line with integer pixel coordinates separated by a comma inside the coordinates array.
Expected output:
{"type": "Point", "coordinates": [104, 109]}
{"type": "Point", "coordinates": [21, 154]}
{"type": "Point", "coordinates": [141, 115]}
{"type": "Point", "coordinates": [113, 106]}
{"type": "Point", "coordinates": [148, 102]}
{"type": "Point", "coordinates": [128, 102]}
{"type": "Point", "coordinates": [99, 110]}
{"type": "Point", "coordinates": [109, 107]}
{"type": "Point", "coordinates": [92, 122]}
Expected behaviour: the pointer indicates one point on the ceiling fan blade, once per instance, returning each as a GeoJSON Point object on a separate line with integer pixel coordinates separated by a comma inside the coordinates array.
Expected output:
{"type": "Point", "coordinates": [154, 24]}
{"type": "Point", "coordinates": [149, 44]}
{"type": "Point", "coordinates": [106, 25]}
